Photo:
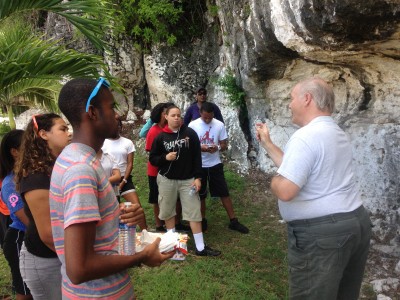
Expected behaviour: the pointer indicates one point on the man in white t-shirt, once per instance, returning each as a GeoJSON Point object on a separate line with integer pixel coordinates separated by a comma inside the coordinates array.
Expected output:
{"type": "Point", "coordinates": [329, 230]}
{"type": "Point", "coordinates": [213, 139]}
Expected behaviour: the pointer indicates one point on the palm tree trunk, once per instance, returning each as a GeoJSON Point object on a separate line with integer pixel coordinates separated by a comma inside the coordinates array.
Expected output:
{"type": "Point", "coordinates": [11, 120]}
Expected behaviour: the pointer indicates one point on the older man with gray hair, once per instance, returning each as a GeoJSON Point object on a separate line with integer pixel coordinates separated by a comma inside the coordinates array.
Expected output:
{"type": "Point", "coordinates": [329, 230]}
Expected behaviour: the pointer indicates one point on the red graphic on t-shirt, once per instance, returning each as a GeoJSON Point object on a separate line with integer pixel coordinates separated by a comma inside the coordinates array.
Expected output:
{"type": "Point", "coordinates": [206, 139]}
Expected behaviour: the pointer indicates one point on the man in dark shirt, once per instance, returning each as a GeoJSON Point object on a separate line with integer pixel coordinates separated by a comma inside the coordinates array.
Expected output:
{"type": "Point", "coordinates": [193, 112]}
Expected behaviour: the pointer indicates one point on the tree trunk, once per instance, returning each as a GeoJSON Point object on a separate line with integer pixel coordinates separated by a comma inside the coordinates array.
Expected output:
{"type": "Point", "coordinates": [11, 120]}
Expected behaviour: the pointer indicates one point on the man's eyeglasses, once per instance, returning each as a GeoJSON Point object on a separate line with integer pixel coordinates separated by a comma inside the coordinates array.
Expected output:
{"type": "Point", "coordinates": [100, 82]}
{"type": "Point", "coordinates": [202, 93]}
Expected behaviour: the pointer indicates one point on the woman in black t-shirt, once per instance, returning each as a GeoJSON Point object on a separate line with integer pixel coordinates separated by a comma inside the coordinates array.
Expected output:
{"type": "Point", "coordinates": [44, 138]}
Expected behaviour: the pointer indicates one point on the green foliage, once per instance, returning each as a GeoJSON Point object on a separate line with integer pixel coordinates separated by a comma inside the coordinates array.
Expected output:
{"type": "Point", "coordinates": [246, 11]}
{"type": "Point", "coordinates": [150, 22]}
{"type": "Point", "coordinates": [4, 128]}
{"type": "Point", "coordinates": [235, 93]}
{"type": "Point", "coordinates": [368, 292]}
{"type": "Point", "coordinates": [213, 9]}
{"type": "Point", "coordinates": [90, 17]}
{"type": "Point", "coordinates": [32, 68]}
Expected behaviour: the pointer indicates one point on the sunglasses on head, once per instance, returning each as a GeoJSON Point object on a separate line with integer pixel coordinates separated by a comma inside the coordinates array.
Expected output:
{"type": "Point", "coordinates": [100, 82]}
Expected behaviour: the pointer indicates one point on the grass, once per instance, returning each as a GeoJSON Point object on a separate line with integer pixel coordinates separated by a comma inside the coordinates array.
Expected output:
{"type": "Point", "coordinates": [5, 276]}
{"type": "Point", "coordinates": [251, 266]}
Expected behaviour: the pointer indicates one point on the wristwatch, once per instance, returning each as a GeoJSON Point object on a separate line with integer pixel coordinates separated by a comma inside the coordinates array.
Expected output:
{"type": "Point", "coordinates": [124, 180]}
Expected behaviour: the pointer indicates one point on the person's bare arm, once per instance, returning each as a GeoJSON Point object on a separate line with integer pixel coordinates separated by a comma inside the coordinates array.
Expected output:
{"type": "Point", "coordinates": [22, 216]}
{"type": "Point", "coordinates": [84, 264]}
{"type": "Point", "coordinates": [273, 151]}
{"type": "Point", "coordinates": [129, 165]}
{"type": "Point", "coordinates": [283, 188]}
{"type": "Point", "coordinates": [115, 177]}
{"type": "Point", "coordinates": [38, 202]}
{"type": "Point", "coordinates": [128, 171]}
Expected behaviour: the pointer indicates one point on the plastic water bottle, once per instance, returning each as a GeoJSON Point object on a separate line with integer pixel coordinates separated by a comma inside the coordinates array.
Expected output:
{"type": "Point", "coordinates": [192, 190]}
{"type": "Point", "coordinates": [127, 237]}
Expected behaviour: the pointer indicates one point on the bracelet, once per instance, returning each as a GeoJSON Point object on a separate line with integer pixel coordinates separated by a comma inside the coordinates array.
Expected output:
{"type": "Point", "coordinates": [124, 180]}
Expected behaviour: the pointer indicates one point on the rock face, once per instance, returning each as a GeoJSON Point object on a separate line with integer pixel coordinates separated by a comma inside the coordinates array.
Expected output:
{"type": "Point", "coordinates": [270, 45]}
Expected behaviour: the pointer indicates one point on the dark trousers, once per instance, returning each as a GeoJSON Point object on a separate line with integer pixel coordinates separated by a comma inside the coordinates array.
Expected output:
{"type": "Point", "coordinates": [327, 255]}
{"type": "Point", "coordinates": [5, 221]}
{"type": "Point", "coordinates": [12, 248]}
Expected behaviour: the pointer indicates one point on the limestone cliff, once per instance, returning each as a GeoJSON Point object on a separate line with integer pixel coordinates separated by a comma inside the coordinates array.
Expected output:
{"type": "Point", "coordinates": [270, 45]}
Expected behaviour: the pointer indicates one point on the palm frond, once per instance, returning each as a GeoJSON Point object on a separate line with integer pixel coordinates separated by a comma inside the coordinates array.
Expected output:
{"type": "Point", "coordinates": [29, 63]}
{"type": "Point", "coordinates": [33, 92]}
{"type": "Point", "coordinates": [92, 17]}
{"type": "Point", "coordinates": [23, 54]}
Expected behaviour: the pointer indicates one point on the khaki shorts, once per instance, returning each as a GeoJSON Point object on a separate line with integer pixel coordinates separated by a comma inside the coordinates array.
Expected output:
{"type": "Point", "coordinates": [169, 191]}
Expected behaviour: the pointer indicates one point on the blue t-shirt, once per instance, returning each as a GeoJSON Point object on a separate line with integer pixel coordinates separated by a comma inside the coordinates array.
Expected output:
{"type": "Point", "coordinates": [13, 201]}
{"type": "Point", "coordinates": [145, 129]}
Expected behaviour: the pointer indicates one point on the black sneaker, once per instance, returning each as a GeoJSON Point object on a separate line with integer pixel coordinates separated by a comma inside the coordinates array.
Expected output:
{"type": "Point", "coordinates": [204, 225]}
{"type": "Point", "coordinates": [182, 227]}
{"type": "Point", "coordinates": [235, 225]}
{"type": "Point", "coordinates": [207, 251]}
{"type": "Point", "coordinates": [161, 229]}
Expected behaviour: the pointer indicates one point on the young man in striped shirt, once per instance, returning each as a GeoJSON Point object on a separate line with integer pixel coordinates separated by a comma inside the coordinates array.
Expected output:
{"type": "Point", "coordinates": [84, 210]}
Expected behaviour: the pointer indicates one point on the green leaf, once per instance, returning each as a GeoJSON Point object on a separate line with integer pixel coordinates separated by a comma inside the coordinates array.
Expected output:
{"type": "Point", "coordinates": [91, 17]}
{"type": "Point", "coordinates": [31, 68]}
